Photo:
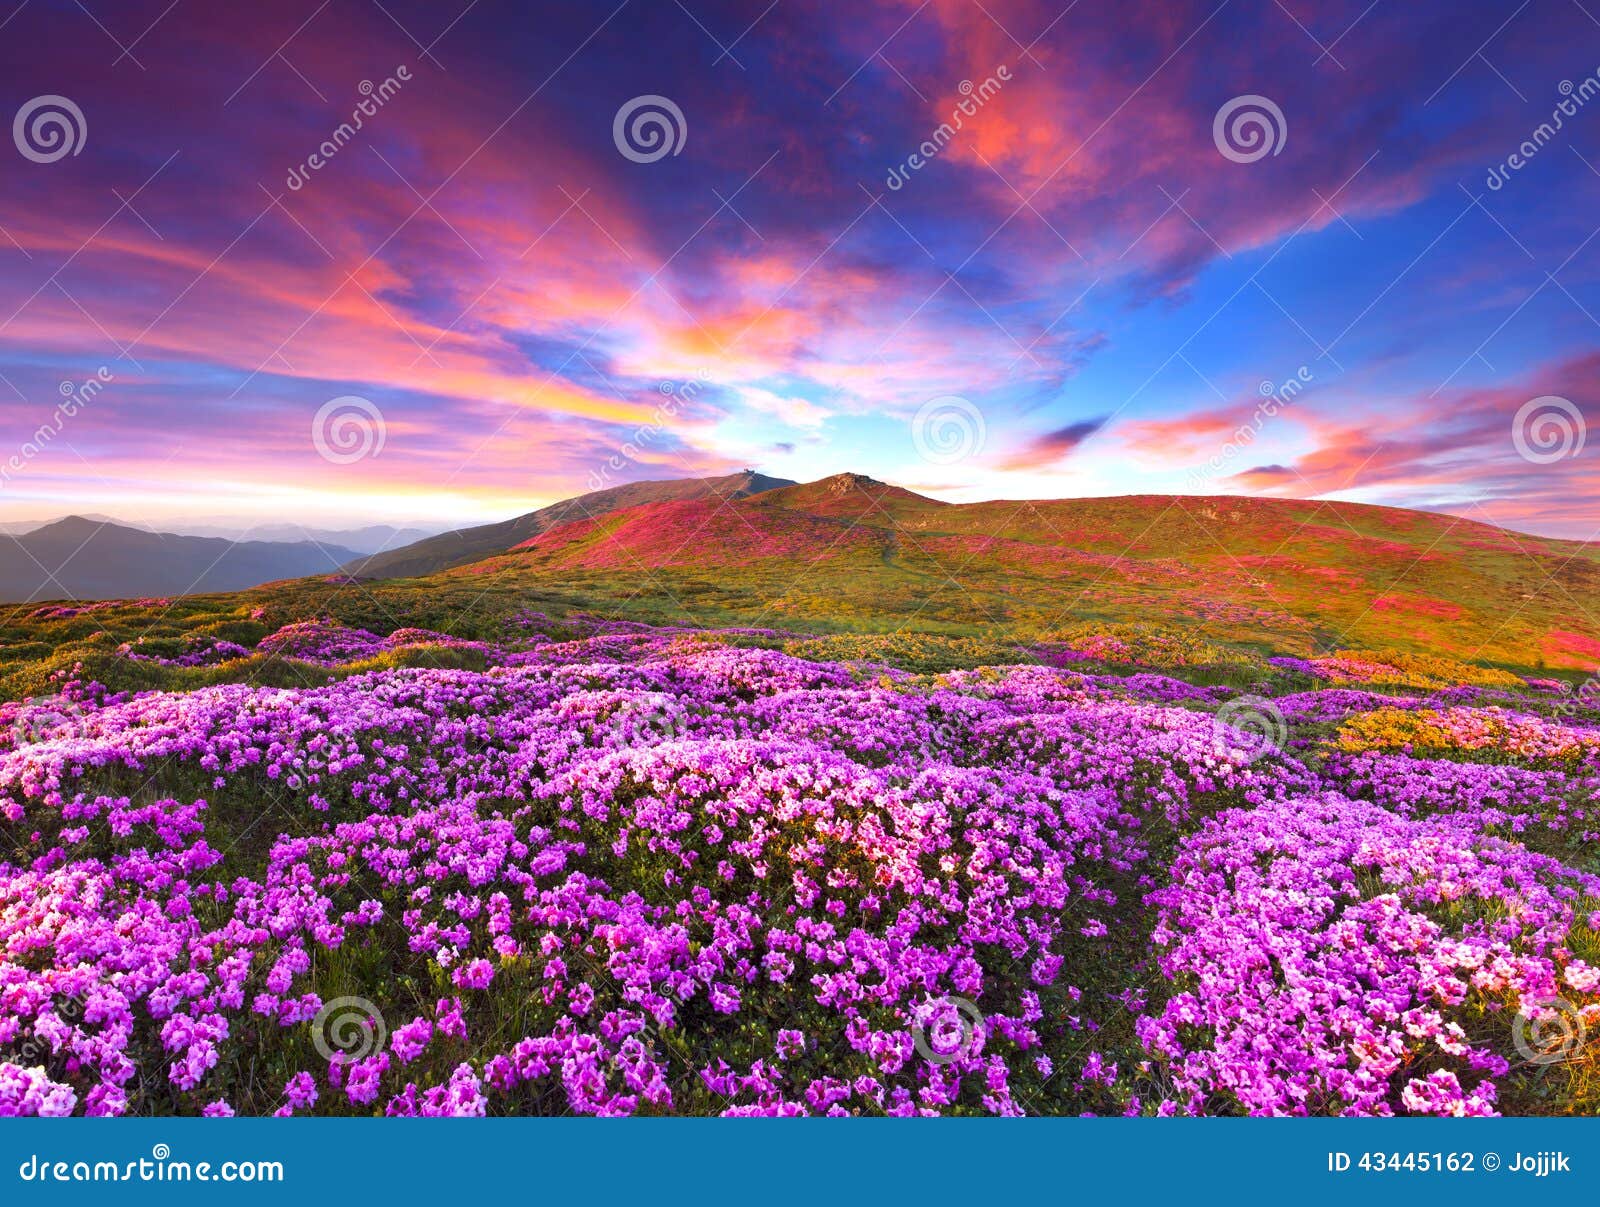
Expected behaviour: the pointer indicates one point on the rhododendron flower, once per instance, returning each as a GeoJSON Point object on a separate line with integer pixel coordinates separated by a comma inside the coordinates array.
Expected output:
{"type": "Point", "coordinates": [672, 871]}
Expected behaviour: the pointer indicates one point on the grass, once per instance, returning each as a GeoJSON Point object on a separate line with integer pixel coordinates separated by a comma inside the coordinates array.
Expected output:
{"type": "Point", "coordinates": [1086, 577]}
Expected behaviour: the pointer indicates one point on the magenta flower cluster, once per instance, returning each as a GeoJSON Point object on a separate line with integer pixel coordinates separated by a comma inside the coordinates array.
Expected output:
{"type": "Point", "coordinates": [645, 871]}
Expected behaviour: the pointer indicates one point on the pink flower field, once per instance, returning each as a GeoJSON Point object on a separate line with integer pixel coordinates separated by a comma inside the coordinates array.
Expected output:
{"type": "Point", "coordinates": [661, 872]}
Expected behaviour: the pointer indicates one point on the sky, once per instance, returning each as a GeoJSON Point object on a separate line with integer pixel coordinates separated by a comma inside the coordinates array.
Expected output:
{"type": "Point", "coordinates": [343, 261]}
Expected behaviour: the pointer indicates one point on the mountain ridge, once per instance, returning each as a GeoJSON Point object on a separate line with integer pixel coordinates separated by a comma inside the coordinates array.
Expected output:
{"type": "Point", "coordinates": [466, 545]}
{"type": "Point", "coordinates": [1285, 573]}
{"type": "Point", "coordinates": [851, 554]}
{"type": "Point", "coordinates": [80, 558]}
{"type": "Point", "coordinates": [365, 540]}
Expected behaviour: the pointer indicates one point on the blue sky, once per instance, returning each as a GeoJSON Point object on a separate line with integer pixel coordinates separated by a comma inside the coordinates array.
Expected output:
{"type": "Point", "coordinates": [1086, 288]}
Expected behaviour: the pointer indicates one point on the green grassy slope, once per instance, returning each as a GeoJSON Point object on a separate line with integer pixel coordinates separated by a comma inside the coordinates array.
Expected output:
{"type": "Point", "coordinates": [1291, 575]}
{"type": "Point", "coordinates": [851, 556]}
{"type": "Point", "coordinates": [466, 545]}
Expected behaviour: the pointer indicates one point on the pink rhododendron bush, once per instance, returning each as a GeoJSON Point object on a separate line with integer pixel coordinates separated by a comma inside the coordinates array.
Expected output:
{"type": "Point", "coordinates": [648, 873]}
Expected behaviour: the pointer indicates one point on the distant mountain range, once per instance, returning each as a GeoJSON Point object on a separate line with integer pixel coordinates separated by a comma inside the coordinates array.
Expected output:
{"type": "Point", "coordinates": [467, 545]}
{"type": "Point", "coordinates": [374, 538]}
{"type": "Point", "coordinates": [82, 558]}
{"type": "Point", "coordinates": [371, 539]}
{"type": "Point", "coordinates": [19, 527]}
{"type": "Point", "coordinates": [98, 557]}
{"type": "Point", "coordinates": [852, 553]}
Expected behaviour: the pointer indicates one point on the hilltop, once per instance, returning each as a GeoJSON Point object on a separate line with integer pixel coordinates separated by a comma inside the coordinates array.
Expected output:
{"type": "Point", "coordinates": [852, 552]}
{"type": "Point", "coordinates": [466, 545]}
{"type": "Point", "coordinates": [848, 555]}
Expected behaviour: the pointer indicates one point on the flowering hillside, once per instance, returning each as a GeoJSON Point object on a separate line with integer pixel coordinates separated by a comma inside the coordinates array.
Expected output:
{"type": "Point", "coordinates": [611, 869]}
{"type": "Point", "coordinates": [1290, 575]}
